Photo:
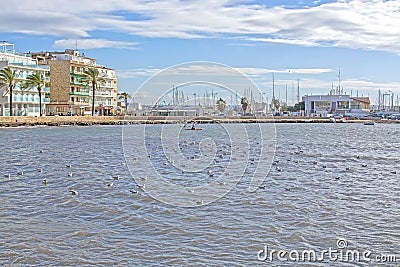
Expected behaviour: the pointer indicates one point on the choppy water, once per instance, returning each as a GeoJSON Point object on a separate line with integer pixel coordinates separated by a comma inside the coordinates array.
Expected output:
{"type": "Point", "coordinates": [318, 192]}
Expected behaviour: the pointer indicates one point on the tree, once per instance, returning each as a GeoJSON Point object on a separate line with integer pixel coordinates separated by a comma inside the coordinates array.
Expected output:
{"type": "Point", "coordinates": [125, 97]}
{"type": "Point", "coordinates": [7, 79]}
{"type": "Point", "coordinates": [245, 103]}
{"type": "Point", "coordinates": [221, 104]}
{"type": "Point", "coordinates": [300, 106]}
{"type": "Point", "coordinates": [36, 80]}
{"type": "Point", "coordinates": [276, 103]}
{"type": "Point", "coordinates": [92, 76]}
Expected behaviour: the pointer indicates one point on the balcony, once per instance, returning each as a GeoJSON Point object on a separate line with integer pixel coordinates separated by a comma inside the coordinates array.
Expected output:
{"type": "Point", "coordinates": [79, 93]}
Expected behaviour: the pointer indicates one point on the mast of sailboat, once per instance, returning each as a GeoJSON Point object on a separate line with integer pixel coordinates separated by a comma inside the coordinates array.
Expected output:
{"type": "Point", "coordinates": [273, 87]}
{"type": "Point", "coordinates": [286, 96]}
{"type": "Point", "coordinates": [339, 82]}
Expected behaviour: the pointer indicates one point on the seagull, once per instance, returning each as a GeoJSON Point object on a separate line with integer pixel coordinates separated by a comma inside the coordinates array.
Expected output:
{"type": "Point", "coordinates": [7, 175]}
{"type": "Point", "coordinates": [210, 173]}
{"type": "Point", "coordinates": [262, 187]}
{"type": "Point", "coordinates": [222, 182]}
{"type": "Point", "coordinates": [116, 177]}
{"type": "Point", "coordinates": [393, 172]}
{"type": "Point", "coordinates": [133, 191]}
{"type": "Point", "coordinates": [40, 151]}
{"type": "Point", "coordinates": [337, 178]}
{"type": "Point", "coordinates": [70, 174]}
{"type": "Point", "coordinates": [20, 173]}
{"type": "Point", "coordinates": [40, 170]}
{"type": "Point", "coordinates": [68, 166]}
{"type": "Point", "coordinates": [73, 192]}
{"type": "Point", "coordinates": [110, 185]}
{"type": "Point", "coordinates": [44, 181]}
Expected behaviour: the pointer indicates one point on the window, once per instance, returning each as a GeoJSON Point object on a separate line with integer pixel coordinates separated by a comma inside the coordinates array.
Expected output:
{"type": "Point", "coordinates": [343, 105]}
{"type": "Point", "coordinates": [322, 105]}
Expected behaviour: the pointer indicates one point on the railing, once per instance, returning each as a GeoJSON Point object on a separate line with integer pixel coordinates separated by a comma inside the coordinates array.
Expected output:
{"type": "Point", "coordinates": [79, 93]}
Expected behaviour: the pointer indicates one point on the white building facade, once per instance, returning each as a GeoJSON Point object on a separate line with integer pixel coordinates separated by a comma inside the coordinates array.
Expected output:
{"type": "Point", "coordinates": [322, 105]}
{"type": "Point", "coordinates": [25, 101]}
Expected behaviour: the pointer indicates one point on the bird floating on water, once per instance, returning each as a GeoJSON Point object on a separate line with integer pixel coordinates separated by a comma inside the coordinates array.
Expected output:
{"type": "Point", "coordinates": [40, 170]}
{"type": "Point", "coordinates": [133, 191]}
{"type": "Point", "coordinates": [44, 181]}
{"type": "Point", "coordinates": [262, 187]}
{"type": "Point", "coordinates": [116, 177]}
{"type": "Point", "coordinates": [20, 173]}
{"type": "Point", "coordinates": [110, 185]}
{"type": "Point", "coordinates": [210, 173]}
{"type": "Point", "coordinates": [68, 166]}
{"type": "Point", "coordinates": [73, 192]}
{"type": "Point", "coordinates": [7, 175]}
{"type": "Point", "coordinates": [70, 174]}
{"type": "Point", "coordinates": [393, 172]}
{"type": "Point", "coordinates": [142, 187]}
{"type": "Point", "coordinates": [364, 165]}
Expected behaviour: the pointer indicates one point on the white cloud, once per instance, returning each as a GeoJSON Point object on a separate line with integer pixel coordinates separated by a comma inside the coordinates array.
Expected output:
{"type": "Point", "coordinates": [93, 43]}
{"type": "Point", "coordinates": [364, 24]}
{"type": "Point", "coordinates": [251, 72]}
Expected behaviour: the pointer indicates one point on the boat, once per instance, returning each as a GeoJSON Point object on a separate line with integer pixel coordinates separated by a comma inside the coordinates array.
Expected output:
{"type": "Point", "coordinates": [369, 123]}
{"type": "Point", "coordinates": [194, 129]}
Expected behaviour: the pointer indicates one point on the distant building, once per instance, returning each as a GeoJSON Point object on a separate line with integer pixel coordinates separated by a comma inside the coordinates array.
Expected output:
{"type": "Point", "coordinates": [321, 105]}
{"type": "Point", "coordinates": [69, 93]}
{"type": "Point", "coordinates": [25, 101]}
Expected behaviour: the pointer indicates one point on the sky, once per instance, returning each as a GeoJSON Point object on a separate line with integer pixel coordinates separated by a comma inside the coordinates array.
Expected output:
{"type": "Point", "coordinates": [302, 40]}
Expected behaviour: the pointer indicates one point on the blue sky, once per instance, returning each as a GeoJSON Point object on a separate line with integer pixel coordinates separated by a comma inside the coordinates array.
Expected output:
{"type": "Point", "coordinates": [139, 38]}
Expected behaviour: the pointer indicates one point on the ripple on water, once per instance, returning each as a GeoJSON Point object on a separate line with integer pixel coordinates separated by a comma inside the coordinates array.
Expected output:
{"type": "Point", "coordinates": [321, 192]}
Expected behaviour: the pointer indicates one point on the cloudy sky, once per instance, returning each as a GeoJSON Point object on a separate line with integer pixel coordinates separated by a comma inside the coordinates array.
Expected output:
{"type": "Point", "coordinates": [298, 39]}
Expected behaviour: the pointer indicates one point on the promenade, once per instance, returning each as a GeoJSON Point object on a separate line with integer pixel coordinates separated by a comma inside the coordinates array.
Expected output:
{"type": "Point", "coordinates": [118, 120]}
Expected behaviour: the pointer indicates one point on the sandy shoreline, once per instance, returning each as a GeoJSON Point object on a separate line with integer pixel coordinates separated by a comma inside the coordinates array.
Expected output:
{"type": "Point", "coordinates": [88, 120]}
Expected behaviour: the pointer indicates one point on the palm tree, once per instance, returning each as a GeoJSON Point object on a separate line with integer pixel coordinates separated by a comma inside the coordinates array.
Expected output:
{"type": "Point", "coordinates": [92, 76]}
{"type": "Point", "coordinates": [7, 78]}
{"type": "Point", "coordinates": [245, 103]}
{"type": "Point", "coordinates": [36, 80]}
{"type": "Point", "coordinates": [125, 97]}
{"type": "Point", "coordinates": [276, 103]}
{"type": "Point", "coordinates": [221, 104]}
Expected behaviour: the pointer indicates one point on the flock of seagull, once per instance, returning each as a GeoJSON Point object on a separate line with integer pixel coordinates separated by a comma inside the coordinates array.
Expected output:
{"type": "Point", "coordinates": [141, 187]}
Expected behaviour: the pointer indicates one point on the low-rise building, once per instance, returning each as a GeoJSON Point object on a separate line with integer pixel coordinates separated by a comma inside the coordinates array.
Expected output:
{"type": "Point", "coordinates": [322, 105]}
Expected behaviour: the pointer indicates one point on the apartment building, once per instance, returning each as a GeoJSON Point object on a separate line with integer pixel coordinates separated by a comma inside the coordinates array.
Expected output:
{"type": "Point", "coordinates": [25, 101]}
{"type": "Point", "coordinates": [70, 95]}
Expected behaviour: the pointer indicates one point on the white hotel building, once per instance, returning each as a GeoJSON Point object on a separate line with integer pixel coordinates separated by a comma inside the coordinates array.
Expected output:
{"type": "Point", "coordinates": [25, 101]}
